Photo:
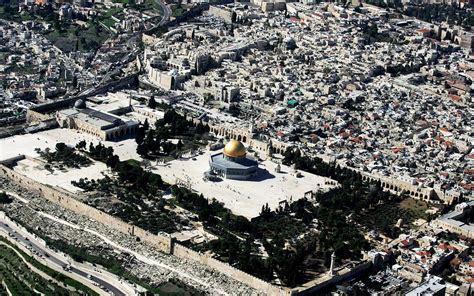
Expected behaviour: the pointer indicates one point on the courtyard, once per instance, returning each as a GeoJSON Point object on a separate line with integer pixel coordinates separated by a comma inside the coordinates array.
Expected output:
{"type": "Point", "coordinates": [244, 198]}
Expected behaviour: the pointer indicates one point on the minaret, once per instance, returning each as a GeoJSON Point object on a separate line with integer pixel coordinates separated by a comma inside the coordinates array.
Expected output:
{"type": "Point", "coordinates": [331, 269]}
{"type": "Point", "coordinates": [251, 129]}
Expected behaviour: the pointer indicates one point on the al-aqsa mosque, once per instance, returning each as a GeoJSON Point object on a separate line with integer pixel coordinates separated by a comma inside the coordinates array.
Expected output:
{"type": "Point", "coordinates": [233, 162]}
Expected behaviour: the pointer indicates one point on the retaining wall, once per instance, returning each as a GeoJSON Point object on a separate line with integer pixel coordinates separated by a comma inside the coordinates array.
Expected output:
{"type": "Point", "coordinates": [315, 290]}
{"type": "Point", "coordinates": [65, 200]}
{"type": "Point", "coordinates": [233, 272]}
{"type": "Point", "coordinates": [162, 242]}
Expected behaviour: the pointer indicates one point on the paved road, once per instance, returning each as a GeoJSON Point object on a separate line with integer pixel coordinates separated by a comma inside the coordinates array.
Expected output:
{"type": "Point", "coordinates": [52, 258]}
{"type": "Point", "coordinates": [115, 69]}
{"type": "Point", "coordinates": [166, 12]}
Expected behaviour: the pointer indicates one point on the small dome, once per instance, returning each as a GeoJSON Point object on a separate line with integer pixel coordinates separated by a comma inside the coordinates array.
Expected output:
{"type": "Point", "coordinates": [80, 104]}
{"type": "Point", "coordinates": [234, 149]}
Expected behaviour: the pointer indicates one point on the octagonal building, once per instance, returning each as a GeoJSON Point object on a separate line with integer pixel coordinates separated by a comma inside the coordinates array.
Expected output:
{"type": "Point", "coordinates": [233, 162]}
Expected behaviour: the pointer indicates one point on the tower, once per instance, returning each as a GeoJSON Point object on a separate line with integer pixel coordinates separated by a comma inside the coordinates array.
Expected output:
{"type": "Point", "coordinates": [331, 269]}
{"type": "Point", "coordinates": [251, 131]}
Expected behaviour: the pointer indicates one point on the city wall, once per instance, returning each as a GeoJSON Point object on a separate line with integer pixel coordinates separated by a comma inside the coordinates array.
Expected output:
{"type": "Point", "coordinates": [330, 281]}
{"type": "Point", "coordinates": [223, 12]}
{"type": "Point", "coordinates": [42, 112]}
{"type": "Point", "coordinates": [65, 200]}
{"type": "Point", "coordinates": [163, 242]}
{"type": "Point", "coordinates": [233, 272]}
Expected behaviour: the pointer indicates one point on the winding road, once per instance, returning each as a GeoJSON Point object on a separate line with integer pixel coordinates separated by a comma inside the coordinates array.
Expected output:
{"type": "Point", "coordinates": [166, 12]}
{"type": "Point", "coordinates": [37, 249]}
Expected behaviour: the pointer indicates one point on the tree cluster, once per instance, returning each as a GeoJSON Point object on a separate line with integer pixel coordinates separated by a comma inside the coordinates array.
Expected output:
{"type": "Point", "coordinates": [64, 155]}
{"type": "Point", "coordinates": [101, 153]}
{"type": "Point", "coordinates": [154, 142]}
{"type": "Point", "coordinates": [138, 178]}
{"type": "Point", "coordinates": [5, 198]}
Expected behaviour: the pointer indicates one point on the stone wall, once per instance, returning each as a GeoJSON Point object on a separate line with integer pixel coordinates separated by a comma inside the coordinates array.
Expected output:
{"type": "Point", "coordinates": [233, 272]}
{"type": "Point", "coordinates": [353, 272]}
{"type": "Point", "coordinates": [65, 200]}
{"type": "Point", "coordinates": [35, 116]}
{"type": "Point", "coordinates": [222, 12]}
{"type": "Point", "coordinates": [45, 111]}
{"type": "Point", "coordinates": [162, 242]}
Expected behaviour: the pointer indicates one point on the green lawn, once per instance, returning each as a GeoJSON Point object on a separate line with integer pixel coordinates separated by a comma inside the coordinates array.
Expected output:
{"type": "Point", "coordinates": [106, 17]}
{"type": "Point", "coordinates": [152, 5]}
{"type": "Point", "coordinates": [417, 207]}
{"type": "Point", "coordinates": [386, 216]}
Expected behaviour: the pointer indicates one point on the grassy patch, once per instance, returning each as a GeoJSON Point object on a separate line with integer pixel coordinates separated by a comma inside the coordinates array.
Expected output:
{"type": "Point", "coordinates": [75, 37]}
{"type": "Point", "coordinates": [152, 5]}
{"type": "Point", "coordinates": [133, 162]}
{"type": "Point", "coordinates": [106, 17]}
{"type": "Point", "coordinates": [178, 11]}
{"type": "Point", "coordinates": [417, 207]}
{"type": "Point", "coordinates": [384, 217]}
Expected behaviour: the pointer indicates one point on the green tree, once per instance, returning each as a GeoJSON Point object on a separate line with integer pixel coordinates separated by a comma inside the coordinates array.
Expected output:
{"type": "Point", "coordinates": [152, 102]}
{"type": "Point", "coordinates": [4, 198]}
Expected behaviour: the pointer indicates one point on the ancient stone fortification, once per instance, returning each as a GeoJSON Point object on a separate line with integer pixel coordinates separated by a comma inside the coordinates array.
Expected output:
{"type": "Point", "coordinates": [67, 201]}
{"type": "Point", "coordinates": [330, 281]}
{"type": "Point", "coordinates": [233, 272]}
{"type": "Point", "coordinates": [45, 111]}
{"type": "Point", "coordinates": [163, 242]}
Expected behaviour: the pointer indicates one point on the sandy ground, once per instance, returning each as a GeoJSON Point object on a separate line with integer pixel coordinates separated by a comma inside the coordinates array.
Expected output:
{"type": "Point", "coordinates": [35, 170]}
{"type": "Point", "coordinates": [26, 144]}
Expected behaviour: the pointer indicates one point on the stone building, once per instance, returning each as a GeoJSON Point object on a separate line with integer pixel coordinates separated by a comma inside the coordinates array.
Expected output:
{"type": "Point", "coordinates": [233, 162]}
{"type": "Point", "coordinates": [104, 125]}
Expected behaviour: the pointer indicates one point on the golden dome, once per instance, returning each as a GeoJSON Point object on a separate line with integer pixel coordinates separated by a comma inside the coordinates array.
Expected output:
{"type": "Point", "coordinates": [234, 149]}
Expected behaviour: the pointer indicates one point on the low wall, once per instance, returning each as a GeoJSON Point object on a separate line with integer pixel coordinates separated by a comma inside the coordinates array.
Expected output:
{"type": "Point", "coordinates": [12, 160]}
{"type": "Point", "coordinates": [335, 280]}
